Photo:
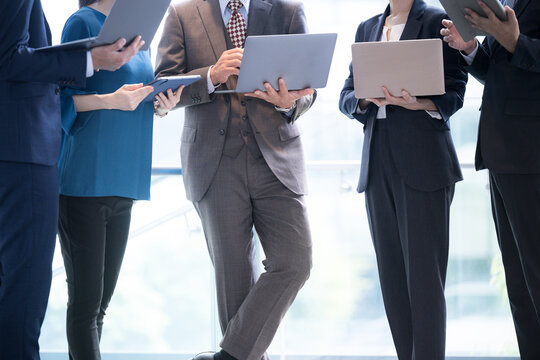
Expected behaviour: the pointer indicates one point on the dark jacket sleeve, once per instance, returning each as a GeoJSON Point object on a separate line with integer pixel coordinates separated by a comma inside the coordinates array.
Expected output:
{"type": "Point", "coordinates": [455, 78]}
{"type": "Point", "coordinates": [348, 103]}
{"type": "Point", "coordinates": [480, 64]}
{"type": "Point", "coordinates": [19, 62]}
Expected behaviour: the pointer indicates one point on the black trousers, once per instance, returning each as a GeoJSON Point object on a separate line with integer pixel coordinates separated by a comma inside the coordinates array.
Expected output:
{"type": "Point", "coordinates": [515, 201]}
{"type": "Point", "coordinates": [410, 231]}
{"type": "Point", "coordinates": [93, 236]}
{"type": "Point", "coordinates": [28, 215]}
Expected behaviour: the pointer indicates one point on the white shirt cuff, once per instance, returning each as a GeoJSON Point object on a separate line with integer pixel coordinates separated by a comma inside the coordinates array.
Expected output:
{"type": "Point", "coordinates": [89, 65]}
{"type": "Point", "coordinates": [287, 112]}
{"type": "Point", "coordinates": [434, 114]}
{"type": "Point", "coordinates": [360, 111]}
{"type": "Point", "coordinates": [470, 58]}
{"type": "Point", "coordinates": [211, 87]}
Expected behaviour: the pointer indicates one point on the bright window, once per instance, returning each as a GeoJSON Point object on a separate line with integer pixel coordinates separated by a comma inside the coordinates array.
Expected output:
{"type": "Point", "coordinates": [164, 301]}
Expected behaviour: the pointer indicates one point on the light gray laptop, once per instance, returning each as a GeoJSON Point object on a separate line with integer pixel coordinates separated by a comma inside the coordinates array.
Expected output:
{"type": "Point", "coordinates": [456, 11]}
{"type": "Point", "coordinates": [302, 60]}
{"type": "Point", "coordinates": [413, 65]}
{"type": "Point", "coordinates": [127, 19]}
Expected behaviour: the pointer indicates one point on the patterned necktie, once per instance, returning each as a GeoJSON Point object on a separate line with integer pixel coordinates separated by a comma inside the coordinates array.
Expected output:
{"type": "Point", "coordinates": [511, 3]}
{"type": "Point", "coordinates": [236, 27]}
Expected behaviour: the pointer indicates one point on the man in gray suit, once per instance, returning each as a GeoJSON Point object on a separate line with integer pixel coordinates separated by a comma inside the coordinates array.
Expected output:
{"type": "Point", "coordinates": [243, 164]}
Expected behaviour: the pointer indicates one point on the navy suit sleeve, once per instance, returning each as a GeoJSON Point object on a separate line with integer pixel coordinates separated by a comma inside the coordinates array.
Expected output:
{"type": "Point", "coordinates": [480, 65]}
{"type": "Point", "coordinates": [527, 54]}
{"type": "Point", "coordinates": [19, 62]}
{"type": "Point", "coordinates": [455, 78]}
{"type": "Point", "coordinates": [76, 28]}
{"type": "Point", "coordinates": [348, 103]}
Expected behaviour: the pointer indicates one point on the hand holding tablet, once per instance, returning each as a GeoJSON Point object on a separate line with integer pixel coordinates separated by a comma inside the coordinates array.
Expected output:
{"type": "Point", "coordinates": [162, 84]}
{"type": "Point", "coordinates": [457, 11]}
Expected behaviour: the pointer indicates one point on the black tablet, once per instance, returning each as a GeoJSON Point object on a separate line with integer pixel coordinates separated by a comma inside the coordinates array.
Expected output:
{"type": "Point", "coordinates": [162, 84]}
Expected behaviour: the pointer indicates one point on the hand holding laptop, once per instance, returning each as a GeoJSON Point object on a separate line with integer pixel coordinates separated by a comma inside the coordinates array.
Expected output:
{"type": "Point", "coordinates": [284, 99]}
{"type": "Point", "coordinates": [112, 57]}
{"type": "Point", "coordinates": [406, 100]}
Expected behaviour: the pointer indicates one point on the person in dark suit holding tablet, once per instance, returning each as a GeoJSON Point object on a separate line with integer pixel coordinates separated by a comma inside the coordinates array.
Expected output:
{"type": "Point", "coordinates": [409, 168]}
{"type": "Point", "coordinates": [508, 64]}
{"type": "Point", "coordinates": [30, 135]}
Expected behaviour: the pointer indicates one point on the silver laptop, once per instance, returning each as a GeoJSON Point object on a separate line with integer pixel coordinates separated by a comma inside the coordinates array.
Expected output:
{"type": "Point", "coordinates": [127, 19]}
{"type": "Point", "coordinates": [302, 60]}
{"type": "Point", "coordinates": [456, 11]}
{"type": "Point", "coordinates": [413, 65]}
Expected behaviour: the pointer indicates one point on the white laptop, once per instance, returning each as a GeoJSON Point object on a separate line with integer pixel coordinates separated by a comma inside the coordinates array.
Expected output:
{"type": "Point", "coordinates": [127, 19]}
{"type": "Point", "coordinates": [413, 65]}
{"type": "Point", "coordinates": [302, 60]}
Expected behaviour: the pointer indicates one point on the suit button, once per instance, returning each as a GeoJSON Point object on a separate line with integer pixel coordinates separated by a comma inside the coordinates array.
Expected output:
{"type": "Point", "coordinates": [57, 91]}
{"type": "Point", "coordinates": [243, 103]}
{"type": "Point", "coordinates": [244, 118]}
{"type": "Point", "coordinates": [222, 132]}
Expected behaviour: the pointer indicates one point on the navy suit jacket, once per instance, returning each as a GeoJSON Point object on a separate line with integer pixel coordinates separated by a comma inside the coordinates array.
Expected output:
{"type": "Point", "coordinates": [422, 146]}
{"type": "Point", "coordinates": [30, 130]}
{"type": "Point", "coordinates": [509, 133]}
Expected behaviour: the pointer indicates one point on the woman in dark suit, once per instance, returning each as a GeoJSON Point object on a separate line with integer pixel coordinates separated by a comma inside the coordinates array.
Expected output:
{"type": "Point", "coordinates": [409, 168]}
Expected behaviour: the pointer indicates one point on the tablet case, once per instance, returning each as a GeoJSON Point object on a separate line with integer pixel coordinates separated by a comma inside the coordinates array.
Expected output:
{"type": "Point", "coordinates": [162, 84]}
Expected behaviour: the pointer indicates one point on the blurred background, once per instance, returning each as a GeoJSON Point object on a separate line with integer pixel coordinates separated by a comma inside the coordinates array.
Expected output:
{"type": "Point", "coordinates": [165, 302]}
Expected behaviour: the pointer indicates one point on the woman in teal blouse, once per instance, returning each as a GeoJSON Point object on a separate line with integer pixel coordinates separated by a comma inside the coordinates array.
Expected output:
{"type": "Point", "coordinates": [105, 165]}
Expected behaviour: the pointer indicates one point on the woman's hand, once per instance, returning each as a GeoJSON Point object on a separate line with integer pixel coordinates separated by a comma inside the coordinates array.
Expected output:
{"type": "Point", "coordinates": [129, 96]}
{"type": "Point", "coordinates": [165, 103]}
{"type": "Point", "coordinates": [405, 101]}
{"type": "Point", "coordinates": [454, 39]}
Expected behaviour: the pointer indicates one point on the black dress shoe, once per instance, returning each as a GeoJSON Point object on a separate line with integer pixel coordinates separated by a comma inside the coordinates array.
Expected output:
{"type": "Point", "coordinates": [209, 355]}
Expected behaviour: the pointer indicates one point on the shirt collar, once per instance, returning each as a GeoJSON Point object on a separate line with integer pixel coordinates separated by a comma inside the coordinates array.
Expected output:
{"type": "Point", "coordinates": [223, 4]}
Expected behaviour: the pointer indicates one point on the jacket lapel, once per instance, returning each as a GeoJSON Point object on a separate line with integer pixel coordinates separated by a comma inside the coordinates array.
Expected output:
{"type": "Point", "coordinates": [259, 11]}
{"type": "Point", "coordinates": [414, 22]}
{"type": "Point", "coordinates": [210, 13]}
{"type": "Point", "coordinates": [521, 6]}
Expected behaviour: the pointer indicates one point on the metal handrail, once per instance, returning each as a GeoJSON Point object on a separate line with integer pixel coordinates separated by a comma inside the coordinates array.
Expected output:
{"type": "Point", "coordinates": [314, 165]}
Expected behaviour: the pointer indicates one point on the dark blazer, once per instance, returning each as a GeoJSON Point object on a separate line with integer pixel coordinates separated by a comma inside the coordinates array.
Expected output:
{"type": "Point", "coordinates": [421, 145]}
{"type": "Point", "coordinates": [194, 38]}
{"type": "Point", "coordinates": [509, 133]}
{"type": "Point", "coordinates": [29, 95]}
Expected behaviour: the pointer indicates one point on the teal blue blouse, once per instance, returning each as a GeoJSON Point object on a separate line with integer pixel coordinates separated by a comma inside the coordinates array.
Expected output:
{"type": "Point", "coordinates": [105, 152]}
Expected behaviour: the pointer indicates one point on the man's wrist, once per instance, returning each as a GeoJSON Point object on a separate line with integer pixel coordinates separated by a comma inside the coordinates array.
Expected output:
{"type": "Point", "coordinates": [471, 49]}
{"type": "Point", "coordinates": [284, 108]}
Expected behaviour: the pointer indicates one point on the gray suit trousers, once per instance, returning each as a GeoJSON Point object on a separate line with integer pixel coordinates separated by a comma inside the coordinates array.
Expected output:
{"type": "Point", "coordinates": [246, 194]}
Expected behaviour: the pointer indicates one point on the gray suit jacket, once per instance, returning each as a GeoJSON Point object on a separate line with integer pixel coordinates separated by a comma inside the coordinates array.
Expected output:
{"type": "Point", "coordinates": [193, 39]}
